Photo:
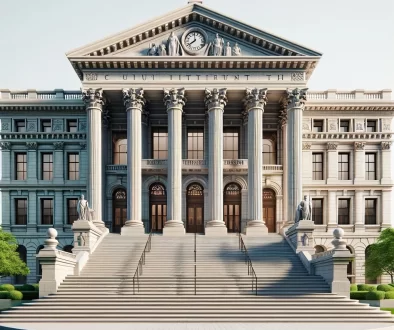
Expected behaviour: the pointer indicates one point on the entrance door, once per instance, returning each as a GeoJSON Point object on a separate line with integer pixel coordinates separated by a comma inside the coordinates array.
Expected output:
{"type": "Point", "coordinates": [232, 200]}
{"type": "Point", "coordinates": [158, 207]}
{"type": "Point", "coordinates": [269, 209]}
{"type": "Point", "coordinates": [120, 210]}
{"type": "Point", "coordinates": [195, 208]}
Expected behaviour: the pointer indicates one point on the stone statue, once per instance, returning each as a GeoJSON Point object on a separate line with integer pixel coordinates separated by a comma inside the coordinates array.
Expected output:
{"type": "Point", "coordinates": [228, 50]}
{"type": "Point", "coordinates": [152, 50]}
{"type": "Point", "coordinates": [81, 239]}
{"type": "Point", "coordinates": [162, 50]}
{"type": "Point", "coordinates": [83, 209]}
{"type": "Point", "coordinates": [218, 44]}
{"type": "Point", "coordinates": [174, 46]}
{"type": "Point", "coordinates": [304, 210]}
{"type": "Point", "coordinates": [236, 50]}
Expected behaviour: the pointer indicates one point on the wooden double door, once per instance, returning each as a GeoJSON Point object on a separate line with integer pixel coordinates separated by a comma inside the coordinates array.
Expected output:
{"type": "Point", "coordinates": [119, 210]}
{"type": "Point", "coordinates": [269, 210]}
{"type": "Point", "coordinates": [195, 209]}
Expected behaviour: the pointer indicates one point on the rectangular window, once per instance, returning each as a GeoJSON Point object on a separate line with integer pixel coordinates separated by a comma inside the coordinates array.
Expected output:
{"type": "Point", "coordinates": [20, 126]}
{"type": "Point", "coordinates": [47, 166]}
{"type": "Point", "coordinates": [343, 166]}
{"type": "Point", "coordinates": [318, 125]}
{"type": "Point", "coordinates": [370, 166]}
{"type": "Point", "coordinates": [46, 211]}
{"type": "Point", "coordinates": [317, 166]}
{"type": "Point", "coordinates": [20, 166]}
{"type": "Point", "coordinates": [46, 125]}
{"type": "Point", "coordinates": [72, 214]}
{"type": "Point", "coordinates": [317, 214]}
{"type": "Point", "coordinates": [231, 143]}
{"type": "Point", "coordinates": [195, 143]}
{"type": "Point", "coordinates": [344, 126]}
{"type": "Point", "coordinates": [371, 125]}
{"type": "Point", "coordinates": [370, 212]}
{"type": "Point", "coordinates": [72, 126]}
{"type": "Point", "coordinates": [160, 142]}
{"type": "Point", "coordinates": [73, 166]}
{"type": "Point", "coordinates": [21, 211]}
{"type": "Point", "coordinates": [343, 212]}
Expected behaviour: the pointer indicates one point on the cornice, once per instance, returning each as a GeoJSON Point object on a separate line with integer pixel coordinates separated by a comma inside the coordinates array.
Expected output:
{"type": "Point", "coordinates": [40, 107]}
{"type": "Point", "coordinates": [365, 106]}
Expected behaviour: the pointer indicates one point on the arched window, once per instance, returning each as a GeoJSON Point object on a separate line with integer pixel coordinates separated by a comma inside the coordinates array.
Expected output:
{"type": "Point", "coordinates": [232, 200]}
{"type": "Point", "coordinates": [20, 279]}
{"type": "Point", "coordinates": [119, 205]}
{"type": "Point", "coordinates": [120, 152]}
{"type": "Point", "coordinates": [158, 206]}
{"type": "Point", "coordinates": [195, 208]}
{"type": "Point", "coordinates": [269, 152]}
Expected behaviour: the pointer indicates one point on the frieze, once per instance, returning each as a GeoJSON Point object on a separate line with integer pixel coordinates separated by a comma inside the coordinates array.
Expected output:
{"type": "Point", "coordinates": [332, 146]}
{"type": "Point", "coordinates": [386, 145]}
{"type": "Point", "coordinates": [359, 145]}
{"type": "Point", "coordinates": [5, 145]}
{"type": "Point", "coordinates": [32, 145]}
{"type": "Point", "coordinates": [306, 146]}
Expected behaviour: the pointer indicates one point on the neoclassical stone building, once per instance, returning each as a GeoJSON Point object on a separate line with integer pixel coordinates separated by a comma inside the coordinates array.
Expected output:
{"type": "Point", "coordinates": [195, 122]}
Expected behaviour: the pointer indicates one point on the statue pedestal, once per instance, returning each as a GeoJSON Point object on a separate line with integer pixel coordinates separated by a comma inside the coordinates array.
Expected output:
{"type": "Point", "coordinates": [305, 229]}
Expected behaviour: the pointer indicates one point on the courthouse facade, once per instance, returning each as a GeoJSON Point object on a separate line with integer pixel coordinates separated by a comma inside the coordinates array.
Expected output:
{"type": "Point", "coordinates": [196, 122]}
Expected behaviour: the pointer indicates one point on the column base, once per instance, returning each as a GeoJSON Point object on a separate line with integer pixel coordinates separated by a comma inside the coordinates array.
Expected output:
{"type": "Point", "coordinates": [174, 228]}
{"type": "Point", "coordinates": [133, 228]}
{"type": "Point", "coordinates": [256, 228]}
{"type": "Point", "coordinates": [216, 231]}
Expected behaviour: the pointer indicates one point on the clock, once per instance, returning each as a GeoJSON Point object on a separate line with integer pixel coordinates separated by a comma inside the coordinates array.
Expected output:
{"type": "Point", "coordinates": [194, 41]}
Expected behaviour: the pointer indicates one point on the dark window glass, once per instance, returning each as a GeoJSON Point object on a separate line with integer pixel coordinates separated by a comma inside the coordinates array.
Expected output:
{"type": "Point", "coordinates": [72, 214]}
{"type": "Point", "coordinates": [344, 126]}
{"type": "Point", "coordinates": [370, 212]}
{"type": "Point", "coordinates": [371, 125]}
{"type": "Point", "coordinates": [21, 211]}
{"type": "Point", "coordinates": [46, 125]}
{"type": "Point", "coordinates": [317, 214]}
{"type": "Point", "coordinates": [317, 166]}
{"type": "Point", "coordinates": [160, 142]}
{"type": "Point", "coordinates": [20, 126]}
{"type": "Point", "coordinates": [119, 146]}
{"type": "Point", "coordinates": [47, 166]}
{"type": "Point", "coordinates": [231, 143]}
{"type": "Point", "coordinates": [343, 166]}
{"type": "Point", "coordinates": [72, 126]}
{"type": "Point", "coordinates": [73, 166]}
{"type": "Point", "coordinates": [46, 211]}
{"type": "Point", "coordinates": [20, 166]}
{"type": "Point", "coordinates": [318, 125]}
{"type": "Point", "coordinates": [343, 212]}
{"type": "Point", "coordinates": [195, 143]}
{"type": "Point", "coordinates": [370, 166]}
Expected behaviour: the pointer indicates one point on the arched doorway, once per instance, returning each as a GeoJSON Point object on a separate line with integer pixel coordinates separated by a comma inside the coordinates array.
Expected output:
{"type": "Point", "coordinates": [20, 279]}
{"type": "Point", "coordinates": [195, 208]}
{"type": "Point", "coordinates": [232, 200]}
{"type": "Point", "coordinates": [269, 209]}
{"type": "Point", "coordinates": [120, 210]}
{"type": "Point", "coordinates": [158, 207]}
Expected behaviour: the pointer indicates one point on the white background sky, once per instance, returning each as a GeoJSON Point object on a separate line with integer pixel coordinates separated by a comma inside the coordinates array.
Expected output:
{"type": "Point", "coordinates": [356, 37]}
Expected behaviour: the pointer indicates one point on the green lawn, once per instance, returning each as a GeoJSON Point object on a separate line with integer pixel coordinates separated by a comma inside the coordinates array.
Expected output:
{"type": "Point", "coordinates": [388, 309]}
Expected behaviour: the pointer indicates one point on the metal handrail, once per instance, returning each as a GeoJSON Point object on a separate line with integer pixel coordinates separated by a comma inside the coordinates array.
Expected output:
{"type": "Point", "coordinates": [195, 263]}
{"type": "Point", "coordinates": [141, 262]}
{"type": "Point", "coordinates": [248, 261]}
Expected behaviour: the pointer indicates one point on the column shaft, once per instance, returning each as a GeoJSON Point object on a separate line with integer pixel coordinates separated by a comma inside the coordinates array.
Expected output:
{"type": "Point", "coordinates": [358, 211]}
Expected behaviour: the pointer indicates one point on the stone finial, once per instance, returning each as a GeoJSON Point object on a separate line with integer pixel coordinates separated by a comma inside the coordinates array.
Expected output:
{"type": "Point", "coordinates": [255, 98]}
{"type": "Point", "coordinates": [338, 242]}
{"type": "Point", "coordinates": [215, 98]}
{"type": "Point", "coordinates": [296, 98]}
{"type": "Point", "coordinates": [93, 98]}
{"type": "Point", "coordinates": [51, 242]}
{"type": "Point", "coordinates": [133, 98]}
{"type": "Point", "coordinates": [174, 98]}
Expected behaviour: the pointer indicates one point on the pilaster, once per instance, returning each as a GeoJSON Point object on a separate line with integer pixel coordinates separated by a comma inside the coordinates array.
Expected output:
{"type": "Point", "coordinates": [359, 162]}
{"type": "Point", "coordinates": [255, 101]}
{"type": "Point", "coordinates": [58, 165]}
{"type": "Point", "coordinates": [284, 130]}
{"type": "Point", "coordinates": [332, 162]}
{"type": "Point", "coordinates": [359, 210]}
{"type": "Point", "coordinates": [386, 163]}
{"type": "Point", "coordinates": [332, 210]}
{"type": "Point", "coordinates": [387, 202]}
{"type": "Point", "coordinates": [174, 99]}
{"type": "Point", "coordinates": [32, 168]}
{"type": "Point", "coordinates": [6, 161]}
{"type": "Point", "coordinates": [134, 102]}
{"type": "Point", "coordinates": [215, 100]}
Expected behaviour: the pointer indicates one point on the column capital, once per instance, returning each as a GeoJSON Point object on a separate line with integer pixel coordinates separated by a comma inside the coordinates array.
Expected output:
{"type": "Point", "coordinates": [296, 98]}
{"type": "Point", "coordinates": [358, 146]}
{"type": "Point", "coordinates": [255, 98]}
{"type": "Point", "coordinates": [58, 145]}
{"type": "Point", "coordinates": [32, 145]}
{"type": "Point", "coordinates": [93, 98]}
{"type": "Point", "coordinates": [5, 145]}
{"type": "Point", "coordinates": [215, 98]}
{"type": "Point", "coordinates": [174, 98]}
{"type": "Point", "coordinates": [283, 114]}
{"type": "Point", "coordinates": [332, 146]}
{"type": "Point", "coordinates": [133, 98]}
{"type": "Point", "coordinates": [385, 145]}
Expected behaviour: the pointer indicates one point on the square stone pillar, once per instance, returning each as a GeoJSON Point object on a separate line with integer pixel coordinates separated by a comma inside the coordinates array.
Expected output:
{"type": "Point", "coordinates": [332, 162]}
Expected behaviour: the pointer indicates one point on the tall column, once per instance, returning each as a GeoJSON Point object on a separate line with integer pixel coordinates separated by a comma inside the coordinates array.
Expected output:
{"type": "Point", "coordinates": [215, 101]}
{"type": "Point", "coordinates": [94, 101]}
{"type": "Point", "coordinates": [134, 102]}
{"type": "Point", "coordinates": [254, 105]}
{"type": "Point", "coordinates": [174, 99]}
{"type": "Point", "coordinates": [296, 102]}
{"type": "Point", "coordinates": [283, 124]}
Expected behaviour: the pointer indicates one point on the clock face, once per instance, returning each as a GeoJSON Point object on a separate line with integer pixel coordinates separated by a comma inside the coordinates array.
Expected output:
{"type": "Point", "coordinates": [195, 41]}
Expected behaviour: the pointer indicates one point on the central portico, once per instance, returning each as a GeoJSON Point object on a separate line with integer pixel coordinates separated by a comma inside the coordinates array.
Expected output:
{"type": "Point", "coordinates": [189, 130]}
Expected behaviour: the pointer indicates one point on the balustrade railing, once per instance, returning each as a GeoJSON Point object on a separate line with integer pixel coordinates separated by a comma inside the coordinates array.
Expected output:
{"type": "Point", "coordinates": [248, 261]}
{"type": "Point", "coordinates": [141, 263]}
{"type": "Point", "coordinates": [42, 136]}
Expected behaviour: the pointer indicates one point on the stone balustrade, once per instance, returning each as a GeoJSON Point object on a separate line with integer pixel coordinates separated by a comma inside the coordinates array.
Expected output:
{"type": "Point", "coordinates": [346, 136]}
{"type": "Point", "coordinates": [57, 94]}
{"type": "Point", "coordinates": [42, 136]}
{"type": "Point", "coordinates": [358, 94]}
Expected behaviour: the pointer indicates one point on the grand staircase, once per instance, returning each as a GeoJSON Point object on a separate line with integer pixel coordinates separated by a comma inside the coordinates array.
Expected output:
{"type": "Point", "coordinates": [168, 291]}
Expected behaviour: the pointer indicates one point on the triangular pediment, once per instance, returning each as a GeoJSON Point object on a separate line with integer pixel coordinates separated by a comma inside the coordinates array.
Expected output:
{"type": "Point", "coordinates": [138, 41]}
